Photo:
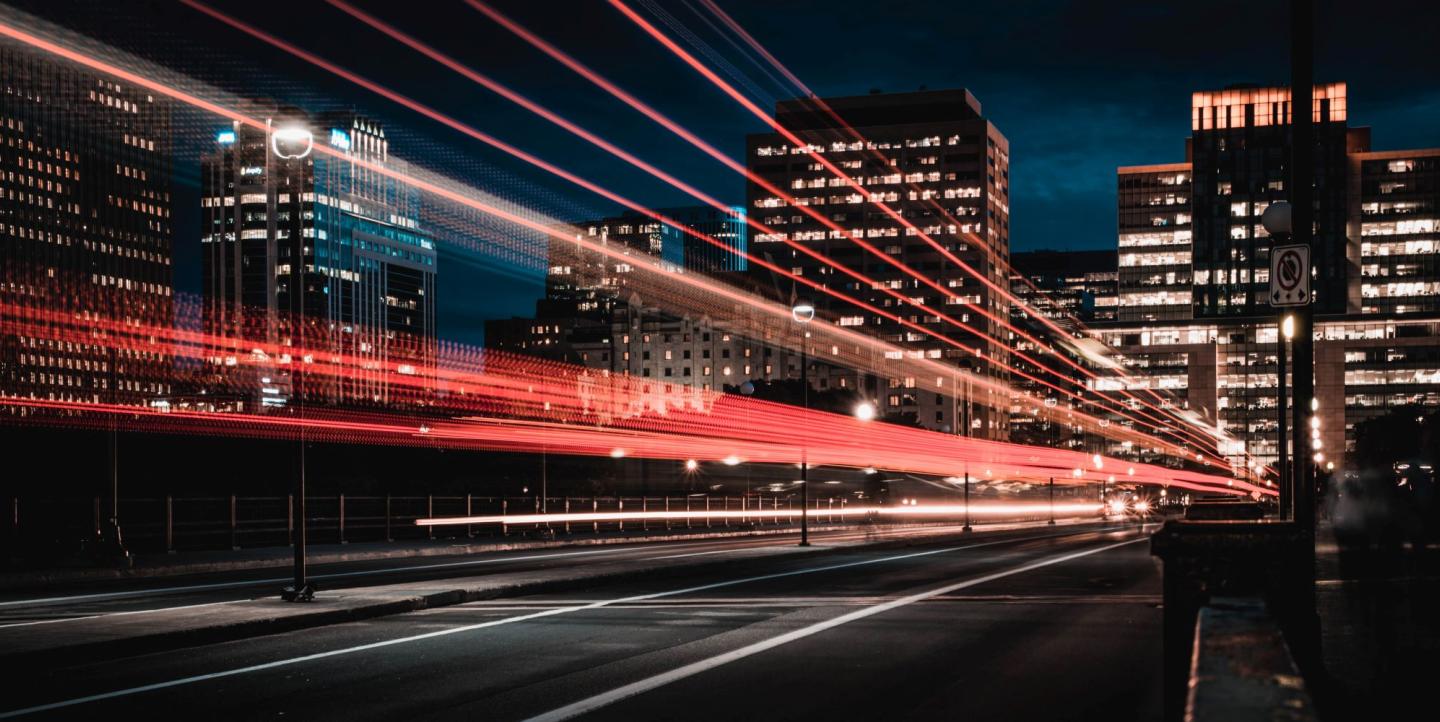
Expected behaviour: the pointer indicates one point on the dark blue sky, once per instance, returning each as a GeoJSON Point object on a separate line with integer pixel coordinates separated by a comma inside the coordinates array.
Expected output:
{"type": "Point", "coordinates": [1078, 87]}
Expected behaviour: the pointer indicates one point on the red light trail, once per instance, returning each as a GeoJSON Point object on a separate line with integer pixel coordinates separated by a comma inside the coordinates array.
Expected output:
{"type": "Point", "coordinates": [555, 118]}
{"type": "Point", "coordinates": [614, 90]}
{"type": "Point", "coordinates": [859, 188]}
{"type": "Point", "coordinates": [518, 403]}
{"type": "Point", "coordinates": [428, 186]}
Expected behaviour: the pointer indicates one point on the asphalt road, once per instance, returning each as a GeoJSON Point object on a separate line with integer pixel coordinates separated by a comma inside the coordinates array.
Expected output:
{"type": "Point", "coordinates": [1046, 624]}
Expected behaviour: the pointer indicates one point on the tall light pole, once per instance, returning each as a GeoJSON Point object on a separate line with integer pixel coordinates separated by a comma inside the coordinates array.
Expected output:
{"type": "Point", "coordinates": [966, 529]}
{"type": "Point", "coordinates": [1287, 477]}
{"type": "Point", "coordinates": [804, 312]}
{"type": "Point", "coordinates": [112, 530]}
{"type": "Point", "coordinates": [1052, 502]}
{"type": "Point", "coordinates": [747, 389]}
{"type": "Point", "coordinates": [290, 144]}
{"type": "Point", "coordinates": [1302, 192]}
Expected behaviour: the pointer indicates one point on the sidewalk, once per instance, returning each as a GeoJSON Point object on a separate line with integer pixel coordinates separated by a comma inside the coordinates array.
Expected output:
{"type": "Point", "coordinates": [1380, 629]}
{"type": "Point", "coordinates": [132, 633]}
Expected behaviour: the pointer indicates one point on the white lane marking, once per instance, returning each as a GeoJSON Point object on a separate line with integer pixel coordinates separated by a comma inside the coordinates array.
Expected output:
{"type": "Point", "coordinates": [495, 623]}
{"type": "Point", "coordinates": [701, 554]}
{"type": "Point", "coordinates": [334, 575]}
{"type": "Point", "coordinates": [590, 704]}
{"type": "Point", "coordinates": [111, 614]}
{"type": "Point", "coordinates": [747, 542]}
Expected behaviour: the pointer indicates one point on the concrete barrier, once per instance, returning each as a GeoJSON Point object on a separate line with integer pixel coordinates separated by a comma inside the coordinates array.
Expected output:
{"type": "Point", "coordinates": [1242, 670]}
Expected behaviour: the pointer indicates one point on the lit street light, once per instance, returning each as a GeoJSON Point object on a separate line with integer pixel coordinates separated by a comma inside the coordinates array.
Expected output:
{"type": "Point", "coordinates": [803, 311]}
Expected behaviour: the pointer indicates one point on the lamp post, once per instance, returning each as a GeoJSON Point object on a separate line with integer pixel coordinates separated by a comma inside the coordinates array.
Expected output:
{"type": "Point", "coordinates": [966, 529]}
{"type": "Point", "coordinates": [1278, 222]}
{"type": "Point", "coordinates": [747, 389]}
{"type": "Point", "coordinates": [1052, 502]}
{"type": "Point", "coordinates": [804, 312]}
{"type": "Point", "coordinates": [1302, 192]}
{"type": "Point", "coordinates": [112, 528]}
{"type": "Point", "coordinates": [1287, 476]}
{"type": "Point", "coordinates": [289, 144]}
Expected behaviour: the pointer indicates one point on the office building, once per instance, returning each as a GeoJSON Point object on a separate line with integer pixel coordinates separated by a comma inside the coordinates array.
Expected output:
{"type": "Point", "coordinates": [1194, 319]}
{"type": "Point", "coordinates": [85, 208]}
{"type": "Point", "coordinates": [932, 157]}
{"type": "Point", "coordinates": [288, 229]}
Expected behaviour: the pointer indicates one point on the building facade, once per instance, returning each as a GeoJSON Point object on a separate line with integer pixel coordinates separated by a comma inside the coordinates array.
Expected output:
{"type": "Point", "coordinates": [1066, 285]}
{"type": "Point", "coordinates": [1155, 243]}
{"type": "Point", "coordinates": [1194, 268]}
{"type": "Point", "coordinates": [937, 161]}
{"type": "Point", "coordinates": [85, 211]}
{"type": "Point", "coordinates": [317, 245]}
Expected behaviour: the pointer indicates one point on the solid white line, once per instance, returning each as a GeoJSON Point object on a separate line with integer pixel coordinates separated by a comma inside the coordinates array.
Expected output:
{"type": "Point", "coordinates": [493, 623]}
{"type": "Point", "coordinates": [334, 575]}
{"type": "Point", "coordinates": [717, 551]}
{"type": "Point", "coordinates": [590, 704]}
{"type": "Point", "coordinates": [111, 614]}
{"type": "Point", "coordinates": [759, 542]}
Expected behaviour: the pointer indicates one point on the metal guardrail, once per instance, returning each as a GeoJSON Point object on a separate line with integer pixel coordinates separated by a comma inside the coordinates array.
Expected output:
{"type": "Point", "coordinates": [173, 523]}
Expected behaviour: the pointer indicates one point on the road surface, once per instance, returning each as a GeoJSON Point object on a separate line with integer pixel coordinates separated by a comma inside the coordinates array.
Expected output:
{"type": "Point", "coordinates": [1045, 624]}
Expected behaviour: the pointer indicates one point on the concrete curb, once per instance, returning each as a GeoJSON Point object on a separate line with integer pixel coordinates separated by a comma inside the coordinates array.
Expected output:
{"type": "Point", "coordinates": [373, 605]}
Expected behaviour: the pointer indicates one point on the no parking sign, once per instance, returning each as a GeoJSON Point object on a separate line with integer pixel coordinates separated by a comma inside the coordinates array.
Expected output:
{"type": "Point", "coordinates": [1290, 275]}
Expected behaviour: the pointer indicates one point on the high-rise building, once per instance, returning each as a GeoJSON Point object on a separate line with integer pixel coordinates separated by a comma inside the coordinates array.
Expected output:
{"type": "Point", "coordinates": [287, 229]}
{"type": "Point", "coordinates": [1065, 285]}
{"type": "Point", "coordinates": [1155, 243]}
{"type": "Point", "coordinates": [1193, 229]}
{"type": "Point", "coordinates": [934, 158]}
{"type": "Point", "coordinates": [1197, 325]}
{"type": "Point", "coordinates": [85, 211]}
{"type": "Point", "coordinates": [1399, 230]}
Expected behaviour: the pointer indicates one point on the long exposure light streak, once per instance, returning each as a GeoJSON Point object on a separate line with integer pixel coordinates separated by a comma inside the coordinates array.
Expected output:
{"type": "Point", "coordinates": [1033, 509]}
{"type": "Point", "coordinates": [755, 45]}
{"type": "Point", "coordinates": [509, 94]}
{"type": "Point", "coordinates": [546, 404]}
{"type": "Point", "coordinates": [674, 127]}
{"type": "Point", "coordinates": [490, 84]}
{"type": "Point", "coordinates": [426, 185]}
{"type": "Point", "coordinates": [859, 188]}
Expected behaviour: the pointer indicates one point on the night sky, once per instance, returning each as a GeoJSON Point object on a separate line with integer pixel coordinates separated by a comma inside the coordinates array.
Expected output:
{"type": "Point", "coordinates": [1078, 87]}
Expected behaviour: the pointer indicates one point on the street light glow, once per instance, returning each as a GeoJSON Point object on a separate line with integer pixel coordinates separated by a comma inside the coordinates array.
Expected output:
{"type": "Point", "coordinates": [691, 464]}
{"type": "Point", "coordinates": [1287, 327]}
{"type": "Point", "coordinates": [803, 311]}
{"type": "Point", "coordinates": [865, 411]}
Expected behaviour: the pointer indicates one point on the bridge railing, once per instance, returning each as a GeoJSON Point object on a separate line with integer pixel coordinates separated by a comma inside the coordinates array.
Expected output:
{"type": "Point", "coordinates": [188, 523]}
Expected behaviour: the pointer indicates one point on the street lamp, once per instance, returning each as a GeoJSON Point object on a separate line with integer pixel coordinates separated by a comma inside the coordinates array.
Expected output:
{"type": "Point", "coordinates": [865, 411]}
{"type": "Point", "coordinates": [803, 311]}
{"type": "Point", "coordinates": [1278, 223]}
{"type": "Point", "coordinates": [1287, 333]}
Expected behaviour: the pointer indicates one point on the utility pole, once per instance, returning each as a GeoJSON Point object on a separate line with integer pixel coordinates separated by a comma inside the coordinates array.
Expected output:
{"type": "Point", "coordinates": [967, 528]}
{"type": "Point", "coordinates": [300, 590]}
{"type": "Point", "coordinates": [1052, 501]}
{"type": "Point", "coordinates": [1302, 164]}
{"type": "Point", "coordinates": [116, 542]}
{"type": "Point", "coordinates": [804, 449]}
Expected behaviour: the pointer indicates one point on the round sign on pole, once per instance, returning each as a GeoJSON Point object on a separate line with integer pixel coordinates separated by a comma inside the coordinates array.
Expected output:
{"type": "Point", "coordinates": [1290, 275]}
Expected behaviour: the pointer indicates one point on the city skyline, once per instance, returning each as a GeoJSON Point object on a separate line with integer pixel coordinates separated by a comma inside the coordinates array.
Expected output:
{"type": "Point", "coordinates": [719, 359]}
{"type": "Point", "coordinates": [1065, 151]}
